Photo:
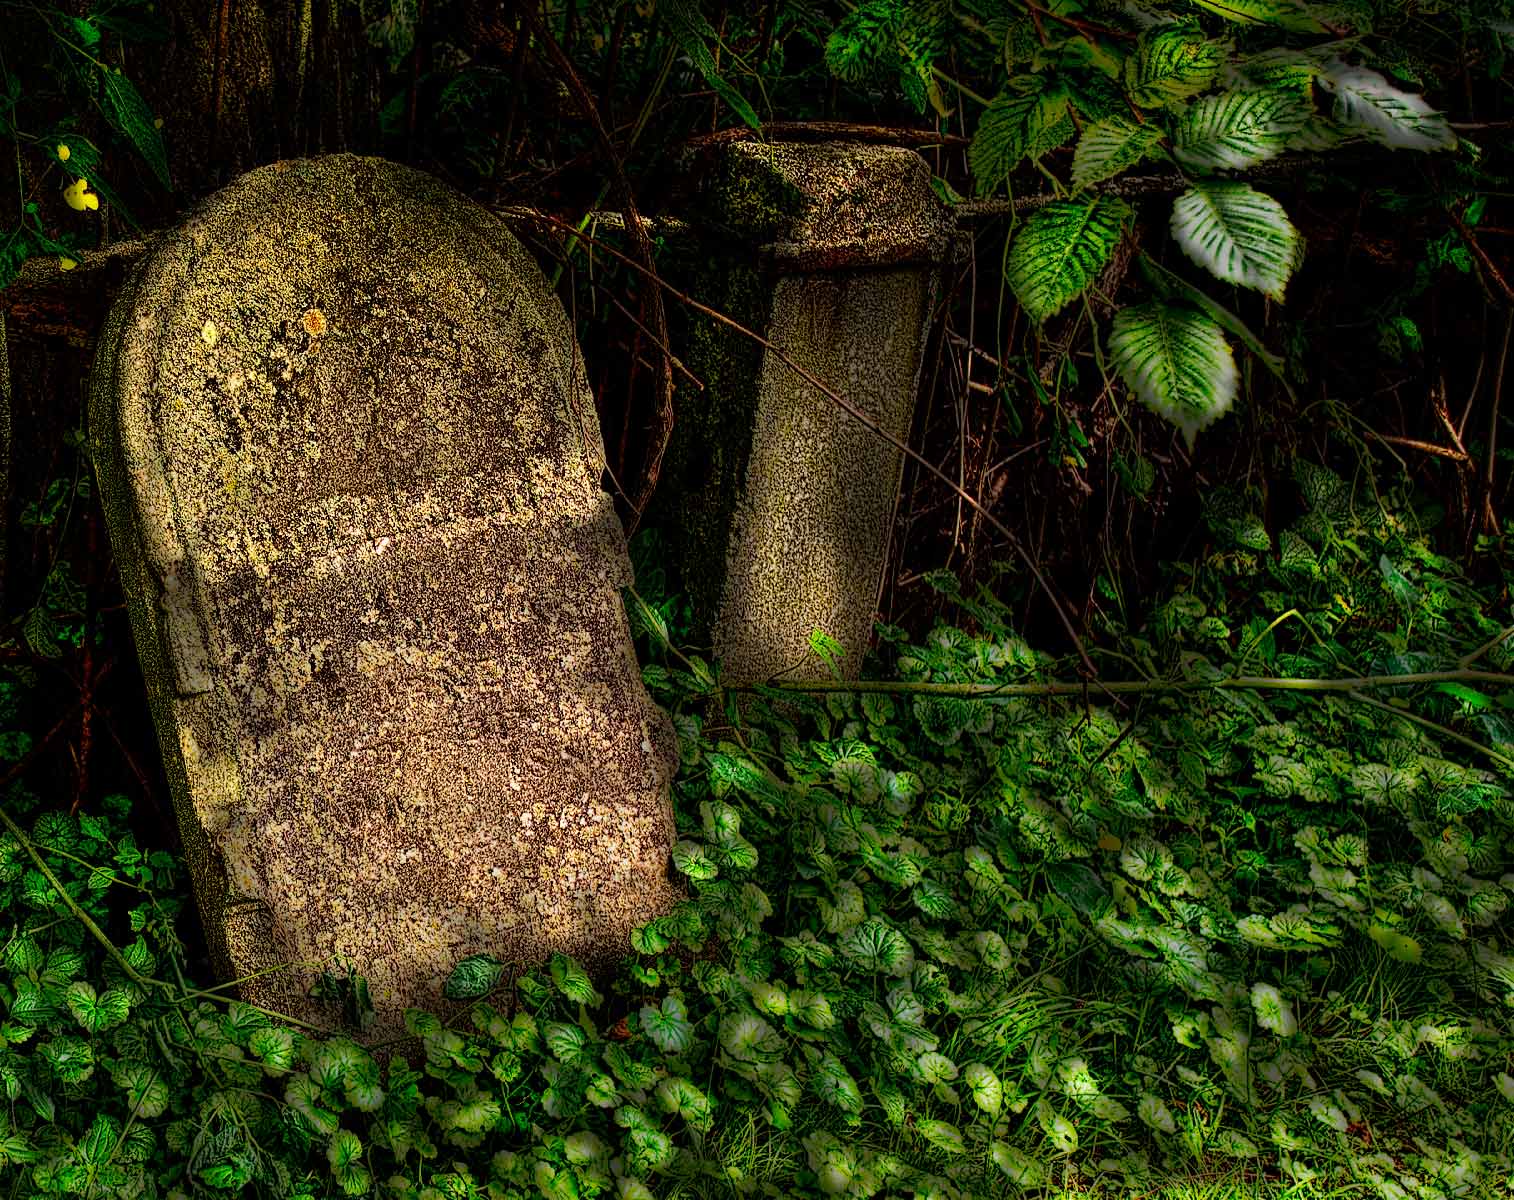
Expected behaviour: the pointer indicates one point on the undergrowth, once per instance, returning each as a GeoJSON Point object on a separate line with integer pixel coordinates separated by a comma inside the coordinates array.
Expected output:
{"type": "Point", "coordinates": [1240, 922]}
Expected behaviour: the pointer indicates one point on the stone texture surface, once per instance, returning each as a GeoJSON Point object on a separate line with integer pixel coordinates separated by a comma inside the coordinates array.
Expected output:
{"type": "Point", "coordinates": [845, 244]}
{"type": "Point", "coordinates": [809, 538]}
{"type": "Point", "coordinates": [850, 205]}
{"type": "Point", "coordinates": [351, 469]}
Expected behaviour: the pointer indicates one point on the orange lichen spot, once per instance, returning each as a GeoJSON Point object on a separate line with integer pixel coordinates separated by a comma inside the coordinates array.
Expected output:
{"type": "Point", "coordinates": [314, 322]}
{"type": "Point", "coordinates": [78, 196]}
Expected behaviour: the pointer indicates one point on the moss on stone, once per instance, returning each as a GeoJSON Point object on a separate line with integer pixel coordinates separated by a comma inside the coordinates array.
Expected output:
{"type": "Point", "coordinates": [705, 469]}
{"type": "Point", "coordinates": [749, 197]}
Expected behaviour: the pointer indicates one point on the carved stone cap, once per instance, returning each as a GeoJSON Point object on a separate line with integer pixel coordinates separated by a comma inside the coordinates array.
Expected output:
{"type": "Point", "coordinates": [829, 205]}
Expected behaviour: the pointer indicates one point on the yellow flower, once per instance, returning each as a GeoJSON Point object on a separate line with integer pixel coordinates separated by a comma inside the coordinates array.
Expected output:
{"type": "Point", "coordinates": [78, 197]}
{"type": "Point", "coordinates": [67, 264]}
{"type": "Point", "coordinates": [63, 153]}
{"type": "Point", "coordinates": [157, 122]}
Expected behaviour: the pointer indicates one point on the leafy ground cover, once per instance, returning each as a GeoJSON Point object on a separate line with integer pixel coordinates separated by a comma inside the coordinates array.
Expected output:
{"type": "Point", "coordinates": [1236, 926]}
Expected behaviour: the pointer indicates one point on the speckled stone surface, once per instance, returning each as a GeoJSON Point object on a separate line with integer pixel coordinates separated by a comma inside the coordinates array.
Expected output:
{"type": "Point", "coordinates": [351, 468]}
{"type": "Point", "coordinates": [854, 205]}
{"type": "Point", "coordinates": [809, 534]}
{"type": "Point", "coordinates": [855, 259]}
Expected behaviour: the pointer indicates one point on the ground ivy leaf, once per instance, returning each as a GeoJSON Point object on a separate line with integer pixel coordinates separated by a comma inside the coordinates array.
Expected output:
{"type": "Point", "coordinates": [668, 1026]}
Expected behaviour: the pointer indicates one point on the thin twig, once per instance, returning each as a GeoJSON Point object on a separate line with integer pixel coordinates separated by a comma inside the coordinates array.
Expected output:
{"type": "Point", "coordinates": [1436, 726]}
{"type": "Point", "coordinates": [1490, 519]}
{"type": "Point", "coordinates": [1494, 275]}
{"type": "Point", "coordinates": [664, 347]}
{"type": "Point", "coordinates": [1423, 447]}
{"type": "Point", "coordinates": [1083, 27]}
{"type": "Point", "coordinates": [1468, 659]}
{"type": "Point", "coordinates": [641, 246]}
{"type": "Point", "coordinates": [1065, 687]}
{"type": "Point", "coordinates": [826, 131]}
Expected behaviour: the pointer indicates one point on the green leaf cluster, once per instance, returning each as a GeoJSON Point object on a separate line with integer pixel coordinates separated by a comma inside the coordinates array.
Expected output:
{"type": "Point", "coordinates": [933, 943]}
{"type": "Point", "coordinates": [1210, 90]}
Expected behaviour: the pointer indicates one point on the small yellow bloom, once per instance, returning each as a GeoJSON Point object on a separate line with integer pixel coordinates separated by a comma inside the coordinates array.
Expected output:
{"type": "Point", "coordinates": [67, 264]}
{"type": "Point", "coordinates": [157, 122]}
{"type": "Point", "coordinates": [63, 153]}
{"type": "Point", "coordinates": [78, 196]}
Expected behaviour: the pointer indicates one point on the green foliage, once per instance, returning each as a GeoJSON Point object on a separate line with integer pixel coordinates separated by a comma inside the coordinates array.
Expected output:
{"type": "Point", "coordinates": [1219, 86]}
{"type": "Point", "coordinates": [1030, 117]}
{"type": "Point", "coordinates": [1238, 234]}
{"type": "Point", "coordinates": [60, 110]}
{"type": "Point", "coordinates": [1177, 361]}
{"type": "Point", "coordinates": [1061, 251]}
{"type": "Point", "coordinates": [932, 943]}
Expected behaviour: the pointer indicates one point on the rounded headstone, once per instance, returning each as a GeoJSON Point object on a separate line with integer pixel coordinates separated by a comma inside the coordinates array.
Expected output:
{"type": "Point", "coordinates": [351, 469]}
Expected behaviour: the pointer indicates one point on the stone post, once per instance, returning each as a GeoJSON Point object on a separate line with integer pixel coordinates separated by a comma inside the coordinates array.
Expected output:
{"type": "Point", "coordinates": [778, 503]}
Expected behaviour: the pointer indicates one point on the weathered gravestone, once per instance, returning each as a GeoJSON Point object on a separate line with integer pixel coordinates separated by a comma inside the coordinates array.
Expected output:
{"type": "Point", "coordinates": [351, 468]}
{"type": "Point", "coordinates": [778, 503]}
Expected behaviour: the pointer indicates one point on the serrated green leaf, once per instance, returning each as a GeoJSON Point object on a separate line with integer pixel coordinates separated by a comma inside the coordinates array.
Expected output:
{"type": "Point", "coordinates": [649, 939]}
{"type": "Point", "coordinates": [1236, 129]}
{"type": "Point", "coordinates": [274, 1045]}
{"type": "Point", "coordinates": [1060, 251]}
{"type": "Point", "coordinates": [1171, 65]}
{"type": "Point", "coordinates": [1110, 146]}
{"type": "Point", "coordinates": [56, 831]}
{"type": "Point", "coordinates": [875, 946]}
{"type": "Point", "coordinates": [98, 1145]}
{"type": "Point", "coordinates": [419, 1023]}
{"type": "Point", "coordinates": [679, 1095]}
{"type": "Point", "coordinates": [668, 1025]}
{"type": "Point", "coordinates": [473, 977]}
{"type": "Point", "coordinates": [23, 955]}
{"type": "Point", "coordinates": [1014, 126]}
{"type": "Point", "coordinates": [1023, 1170]}
{"type": "Point", "coordinates": [943, 1135]}
{"type": "Point", "coordinates": [985, 1088]}
{"type": "Point", "coordinates": [834, 1084]}
{"type": "Point", "coordinates": [1177, 362]}
{"type": "Point", "coordinates": [573, 981]}
{"type": "Point", "coordinates": [128, 112]}
{"type": "Point", "coordinates": [147, 1094]}
{"type": "Point", "coordinates": [97, 1013]}
{"type": "Point", "coordinates": [934, 1067]}
{"type": "Point", "coordinates": [1286, 14]}
{"type": "Point", "coordinates": [1367, 102]}
{"type": "Point", "coordinates": [70, 1058]}
{"type": "Point", "coordinates": [934, 899]}
{"type": "Point", "coordinates": [1060, 1132]}
{"type": "Point", "coordinates": [693, 860]}
{"type": "Point", "coordinates": [566, 1042]}
{"type": "Point", "coordinates": [1238, 234]}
